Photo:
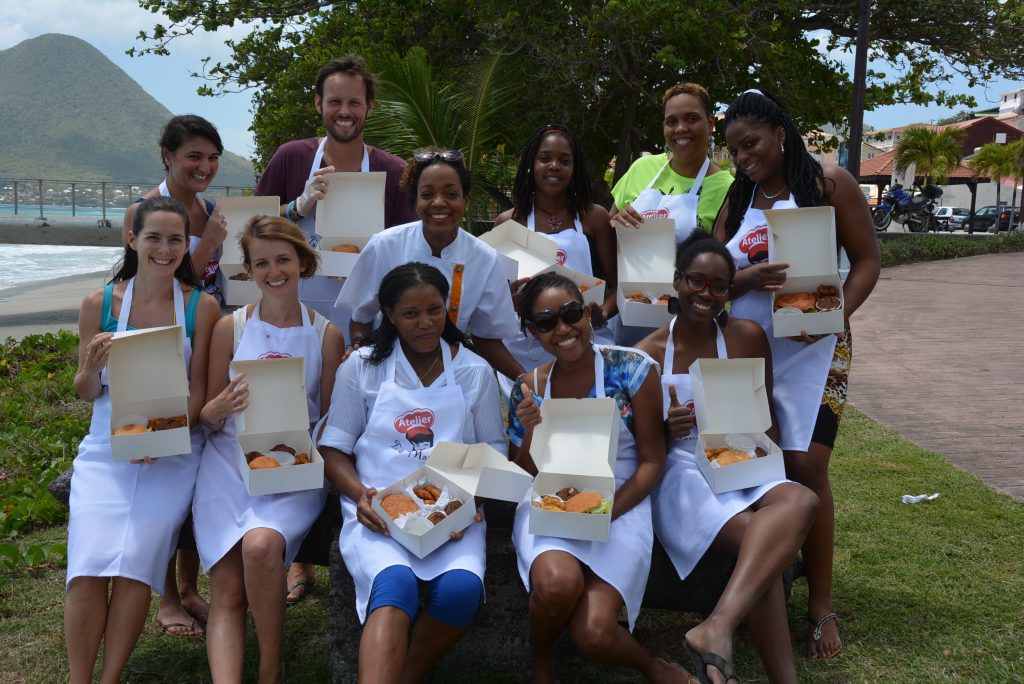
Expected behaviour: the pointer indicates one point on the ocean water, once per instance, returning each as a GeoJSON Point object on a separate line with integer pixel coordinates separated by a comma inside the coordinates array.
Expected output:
{"type": "Point", "coordinates": [29, 263]}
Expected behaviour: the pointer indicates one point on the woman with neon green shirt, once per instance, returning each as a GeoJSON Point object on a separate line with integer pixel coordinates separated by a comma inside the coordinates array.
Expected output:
{"type": "Point", "coordinates": [682, 183]}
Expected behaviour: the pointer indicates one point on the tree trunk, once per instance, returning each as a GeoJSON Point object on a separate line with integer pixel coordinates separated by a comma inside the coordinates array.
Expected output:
{"type": "Point", "coordinates": [624, 150]}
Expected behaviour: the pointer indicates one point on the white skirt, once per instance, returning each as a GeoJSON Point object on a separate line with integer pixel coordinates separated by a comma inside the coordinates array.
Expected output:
{"type": "Point", "coordinates": [624, 561]}
{"type": "Point", "coordinates": [125, 517]}
{"type": "Point", "coordinates": [223, 511]}
{"type": "Point", "coordinates": [688, 515]}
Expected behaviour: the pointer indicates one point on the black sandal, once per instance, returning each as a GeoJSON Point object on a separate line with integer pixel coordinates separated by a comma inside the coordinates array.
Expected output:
{"type": "Point", "coordinates": [701, 661]}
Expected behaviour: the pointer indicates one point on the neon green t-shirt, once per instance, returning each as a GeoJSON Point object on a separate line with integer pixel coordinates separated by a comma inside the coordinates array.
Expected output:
{"type": "Point", "coordinates": [712, 191]}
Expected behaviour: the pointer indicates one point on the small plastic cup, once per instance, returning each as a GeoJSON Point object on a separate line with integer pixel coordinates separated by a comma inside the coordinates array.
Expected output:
{"type": "Point", "coordinates": [741, 443]}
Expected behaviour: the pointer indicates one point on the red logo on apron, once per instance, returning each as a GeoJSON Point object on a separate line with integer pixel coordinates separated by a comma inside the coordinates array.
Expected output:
{"type": "Point", "coordinates": [275, 355]}
{"type": "Point", "coordinates": [755, 245]}
{"type": "Point", "coordinates": [560, 257]}
{"type": "Point", "coordinates": [660, 213]}
{"type": "Point", "coordinates": [415, 425]}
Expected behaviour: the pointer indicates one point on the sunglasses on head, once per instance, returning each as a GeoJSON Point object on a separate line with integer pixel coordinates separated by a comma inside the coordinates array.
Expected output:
{"type": "Point", "coordinates": [433, 155]}
{"type": "Point", "coordinates": [545, 321]}
{"type": "Point", "coordinates": [698, 283]}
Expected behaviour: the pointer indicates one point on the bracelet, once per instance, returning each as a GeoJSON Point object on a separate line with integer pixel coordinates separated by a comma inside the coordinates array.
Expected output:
{"type": "Point", "coordinates": [295, 209]}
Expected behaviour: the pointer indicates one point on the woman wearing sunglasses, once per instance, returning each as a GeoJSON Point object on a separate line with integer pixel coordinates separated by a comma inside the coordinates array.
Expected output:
{"type": "Point", "coordinates": [414, 385]}
{"type": "Point", "coordinates": [478, 301]}
{"type": "Point", "coordinates": [762, 527]}
{"type": "Point", "coordinates": [775, 171]}
{"type": "Point", "coordinates": [552, 195]}
{"type": "Point", "coordinates": [579, 584]}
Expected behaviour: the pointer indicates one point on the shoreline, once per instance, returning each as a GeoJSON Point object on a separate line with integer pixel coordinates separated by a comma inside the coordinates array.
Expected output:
{"type": "Point", "coordinates": [42, 306]}
{"type": "Point", "coordinates": [64, 231]}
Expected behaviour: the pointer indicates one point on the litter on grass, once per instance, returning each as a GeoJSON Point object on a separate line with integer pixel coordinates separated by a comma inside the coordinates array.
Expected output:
{"type": "Point", "coordinates": [912, 499]}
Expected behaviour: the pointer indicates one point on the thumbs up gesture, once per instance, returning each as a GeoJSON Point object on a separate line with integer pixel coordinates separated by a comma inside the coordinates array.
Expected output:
{"type": "Point", "coordinates": [680, 418]}
{"type": "Point", "coordinates": [527, 411]}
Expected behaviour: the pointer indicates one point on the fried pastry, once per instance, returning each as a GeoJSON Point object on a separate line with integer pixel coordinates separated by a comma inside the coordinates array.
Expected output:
{"type": "Point", "coordinates": [639, 297]}
{"type": "Point", "coordinates": [730, 457]}
{"type": "Point", "coordinates": [171, 423]}
{"type": "Point", "coordinates": [435, 493]}
{"type": "Point", "coordinates": [263, 463]}
{"type": "Point", "coordinates": [452, 506]}
{"type": "Point", "coordinates": [827, 290]}
{"type": "Point", "coordinates": [422, 493]}
{"type": "Point", "coordinates": [347, 249]}
{"type": "Point", "coordinates": [130, 429]}
{"type": "Point", "coordinates": [663, 300]}
{"type": "Point", "coordinates": [552, 501]}
{"type": "Point", "coordinates": [240, 276]}
{"type": "Point", "coordinates": [583, 502]}
{"type": "Point", "coordinates": [805, 301]}
{"type": "Point", "coordinates": [302, 458]}
{"type": "Point", "coordinates": [396, 505]}
{"type": "Point", "coordinates": [436, 517]}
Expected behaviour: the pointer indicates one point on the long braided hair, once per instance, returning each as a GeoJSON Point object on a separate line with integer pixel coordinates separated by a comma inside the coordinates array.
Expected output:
{"type": "Point", "coordinates": [580, 192]}
{"type": "Point", "coordinates": [804, 175]}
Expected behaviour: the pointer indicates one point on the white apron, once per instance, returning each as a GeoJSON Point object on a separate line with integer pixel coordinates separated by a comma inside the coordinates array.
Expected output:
{"type": "Point", "coordinates": [624, 561]}
{"type": "Point", "coordinates": [320, 292]}
{"type": "Point", "coordinates": [799, 369]}
{"type": "Point", "coordinates": [688, 515]}
{"type": "Point", "coordinates": [223, 511]}
{"type": "Point", "coordinates": [682, 209]}
{"type": "Point", "coordinates": [125, 517]}
{"type": "Point", "coordinates": [385, 455]}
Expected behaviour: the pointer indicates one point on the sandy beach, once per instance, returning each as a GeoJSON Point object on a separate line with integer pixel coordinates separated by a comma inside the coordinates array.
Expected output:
{"type": "Point", "coordinates": [64, 231]}
{"type": "Point", "coordinates": [45, 306]}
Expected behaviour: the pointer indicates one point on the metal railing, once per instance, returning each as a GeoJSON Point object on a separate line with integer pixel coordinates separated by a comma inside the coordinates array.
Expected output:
{"type": "Point", "coordinates": [43, 199]}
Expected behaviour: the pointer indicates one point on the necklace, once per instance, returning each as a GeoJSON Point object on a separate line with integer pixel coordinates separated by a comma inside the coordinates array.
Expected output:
{"type": "Point", "coordinates": [420, 376]}
{"type": "Point", "coordinates": [767, 196]}
{"type": "Point", "coordinates": [554, 224]}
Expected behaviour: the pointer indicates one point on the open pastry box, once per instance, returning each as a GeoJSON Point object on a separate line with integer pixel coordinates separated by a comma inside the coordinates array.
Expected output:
{"type": "Point", "coordinates": [805, 238]}
{"type": "Point", "coordinates": [646, 261]}
{"type": "Point", "coordinates": [350, 213]}
{"type": "Point", "coordinates": [523, 252]}
{"type": "Point", "coordinates": [146, 371]}
{"type": "Point", "coordinates": [730, 397]}
{"type": "Point", "coordinates": [462, 472]}
{"type": "Point", "coordinates": [277, 414]}
{"type": "Point", "coordinates": [592, 288]}
{"type": "Point", "coordinates": [237, 211]}
{"type": "Point", "coordinates": [575, 445]}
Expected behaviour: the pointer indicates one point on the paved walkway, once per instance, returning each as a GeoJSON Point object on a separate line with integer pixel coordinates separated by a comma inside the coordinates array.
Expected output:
{"type": "Point", "coordinates": [939, 356]}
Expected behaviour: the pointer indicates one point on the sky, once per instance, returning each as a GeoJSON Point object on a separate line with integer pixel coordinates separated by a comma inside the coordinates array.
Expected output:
{"type": "Point", "coordinates": [112, 26]}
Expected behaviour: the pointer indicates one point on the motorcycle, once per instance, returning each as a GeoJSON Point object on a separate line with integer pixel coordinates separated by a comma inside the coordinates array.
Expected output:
{"type": "Point", "coordinates": [914, 210]}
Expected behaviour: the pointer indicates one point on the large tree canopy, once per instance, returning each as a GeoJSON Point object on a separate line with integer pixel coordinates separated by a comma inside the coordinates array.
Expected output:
{"type": "Point", "coordinates": [600, 66]}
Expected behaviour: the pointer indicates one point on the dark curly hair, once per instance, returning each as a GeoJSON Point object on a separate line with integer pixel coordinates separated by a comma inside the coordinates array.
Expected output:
{"type": "Point", "coordinates": [392, 287]}
{"type": "Point", "coordinates": [804, 175]}
{"type": "Point", "coordinates": [532, 289]}
{"type": "Point", "coordinates": [410, 179]}
{"type": "Point", "coordinates": [701, 242]}
{"type": "Point", "coordinates": [581, 196]}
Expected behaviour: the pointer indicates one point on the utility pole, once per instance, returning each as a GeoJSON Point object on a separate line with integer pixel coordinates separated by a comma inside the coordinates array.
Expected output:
{"type": "Point", "coordinates": [860, 69]}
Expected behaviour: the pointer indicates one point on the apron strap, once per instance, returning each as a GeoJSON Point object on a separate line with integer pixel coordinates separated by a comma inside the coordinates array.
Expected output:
{"type": "Point", "coordinates": [670, 348]}
{"type": "Point", "coordinates": [723, 353]}
{"type": "Point", "coordinates": [598, 375]}
{"type": "Point", "coordinates": [699, 180]}
{"type": "Point", "coordinates": [668, 160]}
{"type": "Point", "coordinates": [239, 318]}
{"type": "Point", "coordinates": [456, 294]}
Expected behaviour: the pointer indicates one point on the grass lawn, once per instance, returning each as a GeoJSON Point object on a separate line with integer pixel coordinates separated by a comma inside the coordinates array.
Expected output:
{"type": "Point", "coordinates": [926, 593]}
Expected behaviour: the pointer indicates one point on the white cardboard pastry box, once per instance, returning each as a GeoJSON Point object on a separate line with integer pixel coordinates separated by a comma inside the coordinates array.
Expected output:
{"type": "Point", "coordinates": [646, 261]}
{"type": "Point", "coordinates": [591, 288]}
{"type": "Point", "coordinates": [805, 238]}
{"type": "Point", "coordinates": [575, 445]}
{"type": "Point", "coordinates": [351, 212]}
{"type": "Point", "coordinates": [277, 414]}
{"type": "Point", "coordinates": [239, 289]}
{"type": "Point", "coordinates": [730, 398]}
{"type": "Point", "coordinates": [146, 370]}
{"type": "Point", "coordinates": [462, 472]}
{"type": "Point", "coordinates": [523, 252]}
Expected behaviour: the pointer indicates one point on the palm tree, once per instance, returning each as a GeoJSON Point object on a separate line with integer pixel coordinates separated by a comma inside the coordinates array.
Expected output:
{"type": "Point", "coordinates": [417, 109]}
{"type": "Point", "coordinates": [934, 153]}
{"type": "Point", "coordinates": [997, 162]}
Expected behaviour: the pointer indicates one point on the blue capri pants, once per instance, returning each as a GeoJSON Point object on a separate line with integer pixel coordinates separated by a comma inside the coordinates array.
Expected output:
{"type": "Point", "coordinates": [453, 596]}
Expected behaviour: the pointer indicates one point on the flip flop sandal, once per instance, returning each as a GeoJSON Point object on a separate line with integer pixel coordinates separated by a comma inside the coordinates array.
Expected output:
{"type": "Point", "coordinates": [289, 601]}
{"type": "Point", "coordinates": [816, 635]}
{"type": "Point", "coordinates": [166, 628]}
{"type": "Point", "coordinates": [701, 661]}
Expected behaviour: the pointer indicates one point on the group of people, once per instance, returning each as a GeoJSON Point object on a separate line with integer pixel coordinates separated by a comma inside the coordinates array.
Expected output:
{"type": "Point", "coordinates": [432, 322]}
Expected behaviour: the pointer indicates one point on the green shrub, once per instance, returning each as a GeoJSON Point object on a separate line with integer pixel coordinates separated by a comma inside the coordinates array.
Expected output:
{"type": "Point", "coordinates": [913, 248]}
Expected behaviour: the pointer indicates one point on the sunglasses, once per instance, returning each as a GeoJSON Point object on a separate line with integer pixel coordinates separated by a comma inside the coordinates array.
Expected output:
{"type": "Point", "coordinates": [433, 155]}
{"type": "Point", "coordinates": [545, 321]}
{"type": "Point", "coordinates": [698, 283]}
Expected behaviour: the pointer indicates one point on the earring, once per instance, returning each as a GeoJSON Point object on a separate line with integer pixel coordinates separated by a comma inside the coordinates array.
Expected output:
{"type": "Point", "coordinates": [593, 337]}
{"type": "Point", "coordinates": [530, 350]}
{"type": "Point", "coordinates": [673, 305]}
{"type": "Point", "coordinates": [723, 317]}
{"type": "Point", "coordinates": [782, 147]}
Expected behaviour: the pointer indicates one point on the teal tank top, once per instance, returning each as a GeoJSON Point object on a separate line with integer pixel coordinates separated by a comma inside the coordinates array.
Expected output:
{"type": "Point", "coordinates": [109, 323]}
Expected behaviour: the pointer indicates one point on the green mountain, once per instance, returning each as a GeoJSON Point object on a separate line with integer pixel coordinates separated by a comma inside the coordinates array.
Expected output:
{"type": "Point", "coordinates": [69, 113]}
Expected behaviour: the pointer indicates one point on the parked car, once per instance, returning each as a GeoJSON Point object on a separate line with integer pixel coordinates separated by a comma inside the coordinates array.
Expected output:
{"type": "Point", "coordinates": [951, 218]}
{"type": "Point", "coordinates": [986, 217]}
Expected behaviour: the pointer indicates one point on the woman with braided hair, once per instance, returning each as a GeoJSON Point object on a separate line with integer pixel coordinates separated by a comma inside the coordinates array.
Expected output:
{"type": "Point", "coordinates": [775, 171]}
